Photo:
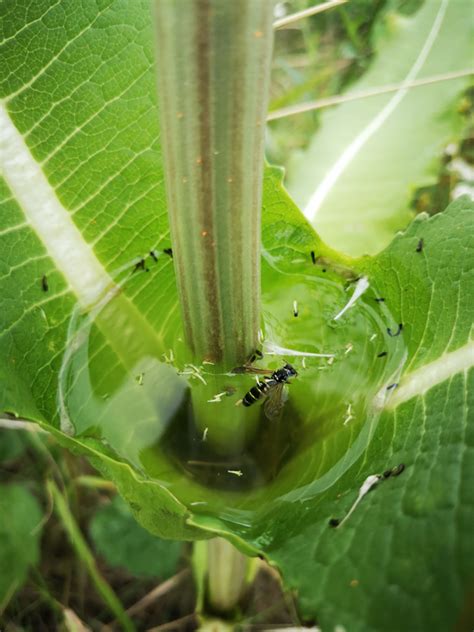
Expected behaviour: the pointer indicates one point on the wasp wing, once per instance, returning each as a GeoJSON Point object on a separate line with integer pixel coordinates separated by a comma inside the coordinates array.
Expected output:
{"type": "Point", "coordinates": [251, 369]}
{"type": "Point", "coordinates": [274, 401]}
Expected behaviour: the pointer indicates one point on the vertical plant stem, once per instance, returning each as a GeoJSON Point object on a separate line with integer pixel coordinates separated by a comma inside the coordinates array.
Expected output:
{"type": "Point", "coordinates": [227, 573]}
{"type": "Point", "coordinates": [213, 62]}
{"type": "Point", "coordinates": [84, 554]}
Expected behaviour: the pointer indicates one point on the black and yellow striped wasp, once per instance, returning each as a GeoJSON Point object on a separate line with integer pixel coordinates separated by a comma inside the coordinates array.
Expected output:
{"type": "Point", "coordinates": [270, 387]}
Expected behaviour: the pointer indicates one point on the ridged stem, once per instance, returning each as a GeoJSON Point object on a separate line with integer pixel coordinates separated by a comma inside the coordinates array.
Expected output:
{"type": "Point", "coordinates": [213, 64]}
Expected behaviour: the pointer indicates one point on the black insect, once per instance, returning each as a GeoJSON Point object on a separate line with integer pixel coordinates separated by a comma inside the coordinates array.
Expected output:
{"type": "Point", "coordinates": [380, 300]}
{"type": "Point", "coordinates": [392, 386]}
{"type": "Point", "coordinates": [169, 252]}
{"type": "Point", "coordinates": [140, 266]}
{"type": "Point", "coordinates": [44, 283]}
{"type": "Point", "coordinates": [334, 522]}
{"type": "Point", "coordinates": [396, 333]}
{"type": "Point", "coordinates": [420, 245]}
{"type": "Point", "coordinates": [313, 257]}
{"type": "Point", "coordinates": [256, 354]}
{"type": "Point", "coordinates": [270, 387]}
{"type": "Point", "coordinates": [395, 471]}
{"type": "Point", "coordinates": [153, 256]}
{"type": "Point", "coordinates": [381, 354]}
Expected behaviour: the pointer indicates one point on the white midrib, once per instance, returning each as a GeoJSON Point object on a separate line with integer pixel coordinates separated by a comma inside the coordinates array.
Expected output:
{"type": "Point", "coordinates": [348, 155]}
{"type": "Point", "coordinates": [48, 217]}
{"type": "Point", "coordinates": [426, 377]}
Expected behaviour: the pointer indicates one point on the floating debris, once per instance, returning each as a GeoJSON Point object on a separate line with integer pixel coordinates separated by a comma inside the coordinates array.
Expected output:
{"type": "Point", "coordinates": [169, 357]}
{"type": "Point", "coordinates": [349, 416]}
{"type": "Point", "coordinates": [272, 348]}
{"type": "Point", "coordinates": [361, 286]}
{"type": "Point", "coordinates": [217, 398]}
{"type": "Point", "coordinates": [369, 483]}
{"type": "Point", "coordinates": [235, 472]}
{"type": "Point", "coordinates": [193, 371]}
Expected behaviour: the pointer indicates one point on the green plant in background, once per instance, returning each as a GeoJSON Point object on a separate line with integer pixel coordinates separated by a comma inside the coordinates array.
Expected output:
{"type": "Point", "coordinates": [94, 351]}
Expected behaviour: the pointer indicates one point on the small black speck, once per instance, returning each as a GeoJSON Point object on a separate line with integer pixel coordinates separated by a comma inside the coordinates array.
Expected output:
{"type": "Point", "coordinates": [392, 386]}
{"type": "Point", "coordinates": [420, 245]}
{"type": "Point", "coordinates": [239, 369]}
{"type": "Point", "coordinates": [334, 522]}
{"type": "Point", "coordinates": [397, 470]}
{"type": "Point", "coordinates": [313, 257]}
{"type": "Point", "coordinates": [153, 256]}
{"type": "Point", "coordinates": [324, 270]}
{"type": "Point", "coordinates": [140, 266]}
{"type": "Point", "coordinates": [380, 300]}
{"type": "Point", "coordinates": [381, 354]}
{"type": "Point", "coordinates": [44, 283]}
{"type": "Point", "coordinates": [169, 252]}
{"type": "Point", "coordinates": [396, 333]}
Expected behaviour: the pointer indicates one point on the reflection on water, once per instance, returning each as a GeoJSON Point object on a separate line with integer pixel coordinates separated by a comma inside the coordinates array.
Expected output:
{"type": "Point", "coordinates": [177, 422]}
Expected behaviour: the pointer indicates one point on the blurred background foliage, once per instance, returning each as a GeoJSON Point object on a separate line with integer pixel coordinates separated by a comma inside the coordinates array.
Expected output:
{"type": "Point", "coordinates": [71, 555]}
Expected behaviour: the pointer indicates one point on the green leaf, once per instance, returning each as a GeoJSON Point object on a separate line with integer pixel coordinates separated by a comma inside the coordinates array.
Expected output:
{"type": "Point", "coordinates": [12, 444]}
{"type": "Point", "coordinates": [20, 534]}
{"type": "Point", "coordinates": [86, 336]}
{"type": "Point", "coordinates": [357, 178]}
{"type": "Point", "coordinates": [122, 542]}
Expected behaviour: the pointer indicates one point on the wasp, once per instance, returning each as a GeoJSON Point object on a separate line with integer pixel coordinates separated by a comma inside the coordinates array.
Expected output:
{"type": "Point", "coordinates": [271, 387]}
